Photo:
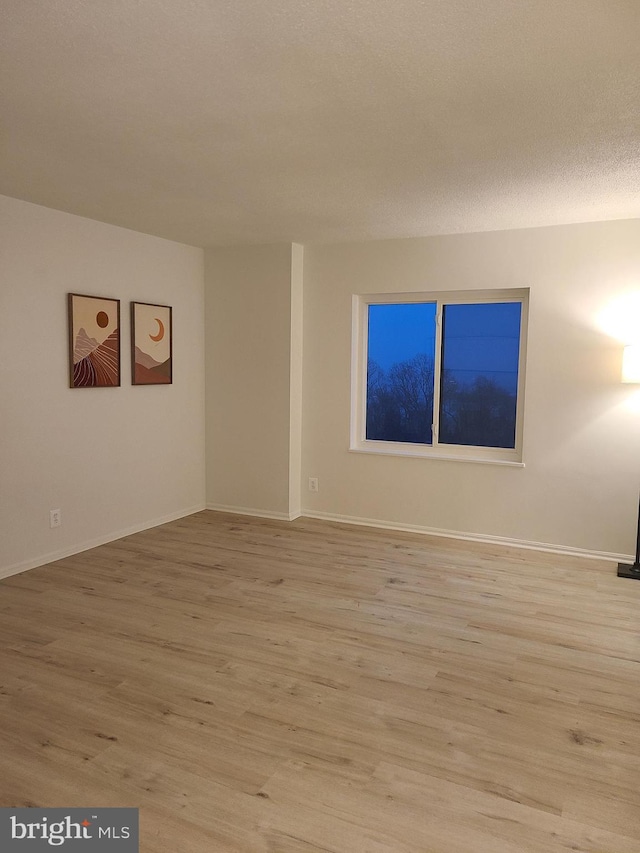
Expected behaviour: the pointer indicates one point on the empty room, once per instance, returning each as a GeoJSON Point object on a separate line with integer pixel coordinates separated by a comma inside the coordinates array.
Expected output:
{"type": "Point", "coordinates": [320, 426]}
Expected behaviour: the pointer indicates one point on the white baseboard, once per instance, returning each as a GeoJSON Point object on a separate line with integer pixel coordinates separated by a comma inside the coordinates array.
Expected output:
{"type": "Point", "coordinates": [258, 513]}
{"type": "Point", "coordinates": [470, 537]}
{"type": "Point", "coordinates": [43, 559]}
{"type": "Point", "coordinates": [8, 571]}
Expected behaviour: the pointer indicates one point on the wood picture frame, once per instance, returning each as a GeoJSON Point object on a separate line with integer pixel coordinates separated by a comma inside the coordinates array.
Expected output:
{"type": "Point", "coordinates": [94, 341]}
{"type": "Point", "coordinates": [151, 344]}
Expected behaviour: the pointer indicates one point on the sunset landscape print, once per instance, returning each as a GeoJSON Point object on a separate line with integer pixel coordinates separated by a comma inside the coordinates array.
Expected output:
{"type": "Point", "coordinates": [151, 355]}
{"type": "Point", "coordinates": [94, 333]}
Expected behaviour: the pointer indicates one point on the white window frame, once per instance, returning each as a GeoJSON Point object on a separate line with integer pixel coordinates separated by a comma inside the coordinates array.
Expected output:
{"type": "Point", "coordinates": [358, 441]}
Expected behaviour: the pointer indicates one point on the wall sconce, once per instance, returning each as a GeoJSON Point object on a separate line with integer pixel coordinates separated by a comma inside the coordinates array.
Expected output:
{"type": "Point", "coordinates": [631, 374]}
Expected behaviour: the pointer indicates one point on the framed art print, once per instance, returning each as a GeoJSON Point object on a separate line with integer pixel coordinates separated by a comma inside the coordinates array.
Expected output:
{"type": "Point", "coordinates": [151, 344]}
{"type": "Point", "coordinates": [94, 341]}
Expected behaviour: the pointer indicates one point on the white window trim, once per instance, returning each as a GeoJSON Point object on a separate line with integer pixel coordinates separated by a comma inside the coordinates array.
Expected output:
{"type": "Point", "coordinates": [360, 444]}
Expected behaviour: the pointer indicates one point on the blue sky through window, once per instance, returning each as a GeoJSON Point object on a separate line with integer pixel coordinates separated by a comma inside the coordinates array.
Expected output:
{"type": "Point", "coordinates": [399, 332]}
{"type": "Point", "coordinates": [478, 368]}
{"type": "Point", "coordinates": [479, 339]}
{"type": "Point", "coordinates": [482, 340]}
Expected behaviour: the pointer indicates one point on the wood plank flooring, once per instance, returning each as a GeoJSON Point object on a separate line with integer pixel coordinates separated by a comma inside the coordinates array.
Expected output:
{"type": "Point", "coordinates": [259, 686]}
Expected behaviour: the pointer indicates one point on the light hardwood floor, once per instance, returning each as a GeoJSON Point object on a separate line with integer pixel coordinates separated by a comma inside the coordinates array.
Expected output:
{"type": "Point", "coordinates": [270, 687]}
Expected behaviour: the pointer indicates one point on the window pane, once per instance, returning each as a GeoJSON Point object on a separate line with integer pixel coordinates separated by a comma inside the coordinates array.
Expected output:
{"type": "Point", "coordinates": [401, 350]}
{"type": "Point", "coordinates": [479, 381]}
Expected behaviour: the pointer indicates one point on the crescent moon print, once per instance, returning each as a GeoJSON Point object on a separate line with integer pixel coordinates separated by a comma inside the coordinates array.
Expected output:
{"type": "Point", "coordinates": [160, 334]}
{"type": "Point", "coordinates": [151, 339]}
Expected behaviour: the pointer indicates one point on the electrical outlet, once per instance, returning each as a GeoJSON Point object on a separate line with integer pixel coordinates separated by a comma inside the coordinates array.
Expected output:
{"type": "Point", "coordinates": [55, 518]}
{"type": "Point", "coordinates": [313, 484]}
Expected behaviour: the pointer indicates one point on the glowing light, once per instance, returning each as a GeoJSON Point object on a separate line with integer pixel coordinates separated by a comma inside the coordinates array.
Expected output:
{"type": "Point", "coordinates": [631, 364]}
{"type": "Point", "coordinates": [621, 318]}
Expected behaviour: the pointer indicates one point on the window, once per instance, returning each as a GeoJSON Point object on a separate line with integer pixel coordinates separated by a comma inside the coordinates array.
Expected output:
{"type": "Point", "coordinates": [440, 374]}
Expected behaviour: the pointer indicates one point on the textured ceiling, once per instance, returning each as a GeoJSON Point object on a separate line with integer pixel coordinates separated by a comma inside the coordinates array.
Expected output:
{"type": "Point", "coordinates": [318, 120]}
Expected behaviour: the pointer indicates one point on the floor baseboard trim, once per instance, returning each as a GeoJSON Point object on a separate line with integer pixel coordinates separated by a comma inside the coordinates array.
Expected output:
{"type": "Point", "coordinates": [258, 513]}
{"type": "Point", "coordinates": [53, 556]}
{"type": "Point", "coordinates": [17, 568]}
{"type": "Point", "coordinates": [468, 537]}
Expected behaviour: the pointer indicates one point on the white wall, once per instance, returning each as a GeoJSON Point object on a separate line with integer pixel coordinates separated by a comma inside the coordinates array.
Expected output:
{"type": "Point", "coordinates": [295, 381]}
{"type": "Point", "coordinates": [117, 460]}
{"type": "Point", "coordinates": [254, 320]}
{"type": "Point", "coordinates": [113, 459]}
{"type": "Point", "coordinates": [582, 436]}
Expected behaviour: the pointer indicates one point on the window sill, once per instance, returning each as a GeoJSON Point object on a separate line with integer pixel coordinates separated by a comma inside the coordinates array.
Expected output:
{"type": "Point", "coordinates": [420, 453]}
